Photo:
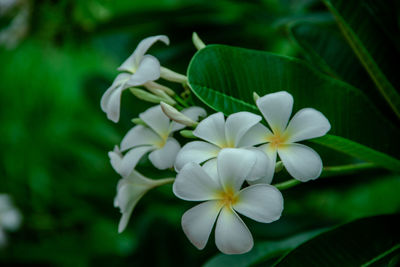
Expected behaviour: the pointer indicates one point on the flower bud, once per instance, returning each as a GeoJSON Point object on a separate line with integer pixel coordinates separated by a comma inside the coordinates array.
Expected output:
{"type": "Point", "coordinates": [153, 85]}
{"type": "Point", "coordinates": [172, 76]}
{"type": "Point", "coordinates": [177, 116]}
{"type": "Point", "coordinates": [278, 166]}
{"type": "Point", "coordinates": [198, 43]}
{"type": "Point", "coordinates": [187, 134]}
{"type": "Point", "coordinates": [146, 96]}
{"type": "Point", "coordinates": [255, 97]}
{"type": "Point", "coordinates": [138, 121]}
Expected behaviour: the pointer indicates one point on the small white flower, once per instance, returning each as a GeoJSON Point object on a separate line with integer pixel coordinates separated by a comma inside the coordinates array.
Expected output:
{"type": "Point", "coordinates": [302, 162]}
{"type": "Point", "coordinates": [155, 138]}
{"type": "Point", "coordinates": [221, 191]}
{"type": "Point", "coordinates": [129, 191]}
{"type": "Point", "coordinates": [139, 68]}
{"type": "Point", "coordinates": [221, 134]}
{"type": "Point", "coordinates": [10, 217]}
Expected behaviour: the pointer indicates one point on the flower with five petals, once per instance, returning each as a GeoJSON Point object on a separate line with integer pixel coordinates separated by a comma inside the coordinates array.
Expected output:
{"type": "Point", "coordinates": [301, 161]}
{"type": "Point", "coordinates": [155, 138]}
{"type": "Point", "coordinates": [139, 69]}
{"type": "Point", "coordinates": [221, 134]}
{"type": "Point", "coordinates": [224, 197]}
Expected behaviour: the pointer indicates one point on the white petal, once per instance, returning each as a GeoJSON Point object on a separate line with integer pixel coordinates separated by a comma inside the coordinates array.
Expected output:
{"type": "Point", "coordinates": [164, 157]}
{"type": "Point", "coordinates": [197, 151]}
{"type": "Point", "coordinates": [193, 113]}
{"type": "Point", "coordinates": [155, 118]}
{"type": "Point", "coordinates": [134, 194]}
{"type": "Point", "coordinates": [261, 168]}
{"type": "Point", "coordinates": [231, 234]}
{"type": "Point", "coordinates": [128, 196]}
{"type": "Point", "coordinates": [238, 124]}
{"type": "Point", "coordinates": [257, 134]}
{"type": "Point", "coordinates": [140, 135]}
{"type": "Point", "coordinates": [131, 158]}
{"type": "Point", "coordinates": [198, 222]}
{"type": "Point", "coordinates": [111, 103]}
{"type": "Point", "coordinates": [302, 162]}
{"type": "Point", "coordinates": [129, 191]}
{"type": "Point", "coordinates": [193, 183]}
{"type": "Point", "coordinates": [210, 167]}
{"type": "Point", "coordinates": [129, 188]}
{"type": "Point", "coordinates": [119, 80]}
{"type": "Point", "coordinates": [261, 202]}
{"type": "Point", "coordinates": [148, 70]}
{"type": "Point", "coordinates": [115, 158]}
{"type": "Point", "coordinates": [307, 123]}
{"type": "Point", "coordinates": [276, 108]}
{"type": "Point", "coordinates": [271, 153]}
{"type": "Point", "coordinates": [212, 129]}
{"type": "Point", "coordinates": [234, 166]}
{"type": "Point", "coordinates": [133, 60]}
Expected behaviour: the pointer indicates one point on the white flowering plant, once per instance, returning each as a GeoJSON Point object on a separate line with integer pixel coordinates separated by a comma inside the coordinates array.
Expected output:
{"type": "Point", "coordinates": [229, 138]}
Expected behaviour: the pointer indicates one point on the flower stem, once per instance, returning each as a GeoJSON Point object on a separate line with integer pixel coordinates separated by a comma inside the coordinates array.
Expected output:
{"type": "Point", "coordinates": [181, 101]}
{"type": "Point", "coordinates": [165, 181]}
{"type": "Point", "coordinates": [330, 171]}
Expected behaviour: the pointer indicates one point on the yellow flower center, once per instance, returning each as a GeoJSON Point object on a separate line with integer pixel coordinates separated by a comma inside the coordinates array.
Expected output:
{"type": "Point", "coordinates": [228, 197]}
{"type": "Point", "coordinates": [277, 139]}
{"type": "Point", "coordinates": [161, 143]}
{"type": "Point", "coordinates": [228, 144]}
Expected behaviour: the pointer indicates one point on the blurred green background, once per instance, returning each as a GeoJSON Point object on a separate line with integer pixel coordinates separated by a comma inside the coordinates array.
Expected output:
{"type": "Point", "coordinates": [58, 60]}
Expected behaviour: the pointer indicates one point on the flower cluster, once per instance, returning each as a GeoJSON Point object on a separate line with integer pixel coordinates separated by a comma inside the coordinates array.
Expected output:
{"type": "Point", "coordinates": [231, 165]}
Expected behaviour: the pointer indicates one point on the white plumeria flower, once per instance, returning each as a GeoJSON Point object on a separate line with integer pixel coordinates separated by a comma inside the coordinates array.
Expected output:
{"type": "Point", "coordinates": [10, 217]}
{"type": "Point", "coordinates": [224, 197]}
{"type": "Point", "coordinates": [221, 134]}
{"type": "Point", "coordinates": [130, 190]}
{"type": "Point", "coordinates": [302, 162]}
{"type": "Point", "coordinates": [139, 69]}
{"type": "Point", "coordinates": [155, 138]}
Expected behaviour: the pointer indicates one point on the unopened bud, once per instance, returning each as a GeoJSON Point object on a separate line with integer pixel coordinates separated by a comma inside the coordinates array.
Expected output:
{"type": "Point", "coordinates": [146, 96]}
{"type": "Point", "coordinates": [187, 134]}
{"type": "Point", "coordinates": [177, 116]}
{"type": "Point", "coordinates": [172, 76]}
{"type": "Point", "coordinates": [138, 121]}
{"type": "Point", "coordinates": [198, 43]}
{"type": "Point", "coordinates": [278, 166]}
{"type": "Point", "coordinates": [153, 85]}
{"type": "Point", "coordinates": [255, 97]}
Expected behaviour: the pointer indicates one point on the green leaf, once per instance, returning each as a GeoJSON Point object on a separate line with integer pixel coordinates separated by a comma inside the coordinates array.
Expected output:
{"type": "Point", "coordinates": [358, 151]}
{"type": "Point", "coordinates": [261, 251]}
{"type": "Point", "coordinates": [360, 243]}
{"type": "Point", "coordinates": [373, 47]}
{"type": "Point", "coordinates": [224, 78]}
{"type": "Point", "coordinates": [326, 48]}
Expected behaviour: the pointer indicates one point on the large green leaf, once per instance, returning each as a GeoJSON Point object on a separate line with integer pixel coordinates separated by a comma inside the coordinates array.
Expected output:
{"type": "Point", "coordinates": [261, 251]}
{"type": "Point", "coordinates": [224, 78]}
{"type": "Point", "coordinates": [363, 242]}
{"type": "Point", "coordinates": [326, 48]}
{"type": "Point", "coordinates": [371, 42]}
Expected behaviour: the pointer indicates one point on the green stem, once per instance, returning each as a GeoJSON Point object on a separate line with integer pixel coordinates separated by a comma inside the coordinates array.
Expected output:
{"type": "Point", "coordinates": [181, 101]}
{"type": "Point", "coordinates": [287, 184]}
{"type": "Point", "coordinates": [330, 171]}
{"type": "Point", "coordinates": [165, 181]}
